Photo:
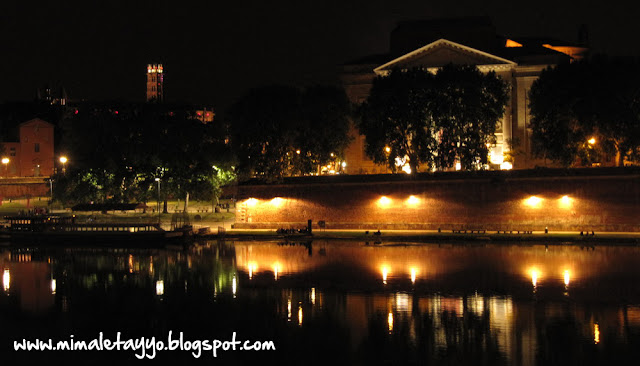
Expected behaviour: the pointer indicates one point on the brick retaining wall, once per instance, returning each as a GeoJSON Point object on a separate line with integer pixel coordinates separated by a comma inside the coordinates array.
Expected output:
{"type": "Point", "coordinates": [596, 199]}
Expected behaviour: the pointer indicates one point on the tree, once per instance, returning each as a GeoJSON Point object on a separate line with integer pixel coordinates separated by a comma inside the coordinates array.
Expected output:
{"type": "Point", "coordinates": [396, 120]}
{"type": "Point", "coordinates": [119, 149]}
{"type": "Point", "coordinates": [597, 99]}
{"type": "Point", "coordinates": [467, 106]}
{"type": "Point", "coordinates": [281, 131]}
{"type": "Point", "coordinates": [433, 120]}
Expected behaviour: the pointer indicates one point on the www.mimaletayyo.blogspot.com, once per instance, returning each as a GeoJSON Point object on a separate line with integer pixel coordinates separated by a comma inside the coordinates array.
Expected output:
{"type": "Point", "coordinates": [144, 347]}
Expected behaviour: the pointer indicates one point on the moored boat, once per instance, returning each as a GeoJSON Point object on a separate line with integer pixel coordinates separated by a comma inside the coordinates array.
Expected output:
{"type": "Point", "coordinates": [51, 229]}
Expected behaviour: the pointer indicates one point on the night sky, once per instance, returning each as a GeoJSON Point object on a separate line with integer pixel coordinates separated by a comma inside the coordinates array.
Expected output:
{"type": "Point", "coordinates": [214, 51]}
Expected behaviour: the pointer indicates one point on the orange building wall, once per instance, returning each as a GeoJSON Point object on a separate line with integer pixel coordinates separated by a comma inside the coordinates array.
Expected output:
{"type": "Point", "coordinates": [25, 160]}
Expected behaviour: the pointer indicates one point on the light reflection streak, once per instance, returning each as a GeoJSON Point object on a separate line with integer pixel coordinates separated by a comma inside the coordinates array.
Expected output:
{"type": "Point", "coordinates": [413, 275]}
{"type": "Point", "coordinates": [390, 321]}
{"type": "Point", "coordinates": [300, 314]}
{"type": "Point", "coordinates": [596, 333]}
{"type": "Point", "coordinates": [385, 272]}
{"type": "Point", "coordinates": [6, 279]}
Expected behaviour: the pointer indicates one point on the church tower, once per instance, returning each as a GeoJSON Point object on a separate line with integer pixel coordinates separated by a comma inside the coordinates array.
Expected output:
{"type": "Point", "coordinates": [155, 83]}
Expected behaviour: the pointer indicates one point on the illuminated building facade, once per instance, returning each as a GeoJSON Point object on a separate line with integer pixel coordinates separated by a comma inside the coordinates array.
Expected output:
{"type": "Point", "coordinates": [155, 83]}
{"type": "Point", "coordinates": [33, 155]}
{"type": "Point", "coordinates": [432, 44]}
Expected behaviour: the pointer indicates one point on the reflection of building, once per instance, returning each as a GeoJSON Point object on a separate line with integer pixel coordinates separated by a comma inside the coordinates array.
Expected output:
{"type": "Point", "coordinates": [155, 83]}
{"type": "Point", "coordinates": [432, 44]}
{"type": "Point", "coordinates": [32, 156]}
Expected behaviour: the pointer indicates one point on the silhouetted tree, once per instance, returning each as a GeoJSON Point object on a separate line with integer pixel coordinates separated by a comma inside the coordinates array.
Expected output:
{"type": "Point", "coordinates": [281, 131]}
{"type": "Point", "coordinates": [597, 98]}
{"type": "Point", "coordinates": [433, 120]}
{"type": "Point", "coordinates": [117, 150]}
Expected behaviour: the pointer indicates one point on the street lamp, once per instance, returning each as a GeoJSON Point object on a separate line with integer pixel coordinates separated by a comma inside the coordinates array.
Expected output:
{"type": "Point", "coordinates": [63, 160]}
{"type": "Point", "coordinates": [5, 161]}
{"type": "Point", "coordinates": [158, 180]}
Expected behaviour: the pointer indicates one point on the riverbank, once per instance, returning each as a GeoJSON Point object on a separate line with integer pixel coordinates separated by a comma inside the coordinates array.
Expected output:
{"type": "Point", "coordinates": [421, 236]}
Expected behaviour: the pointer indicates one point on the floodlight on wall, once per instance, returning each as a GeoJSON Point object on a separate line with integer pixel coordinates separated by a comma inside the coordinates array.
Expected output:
{"type": "Point", "coordinates": [384, 201]}
{"type": "Point", "coordinates": [251, 202]}
{"type": "Point", "coordinates": [565, 202]}
{"type": "Point", "coordinates": [413, 200]}
{"type": "Point", "coordinates": [533, 202]}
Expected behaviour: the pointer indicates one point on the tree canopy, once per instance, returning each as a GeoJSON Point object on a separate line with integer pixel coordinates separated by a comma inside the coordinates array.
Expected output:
{"type": "Point", "coordinates": [584, 111]}
{"type": "Point", "coordinates": [433, 120]}
{"type": "Point", "coordinates": [282, 131]}
{"type": "Point", "coordinates": [116, 152]}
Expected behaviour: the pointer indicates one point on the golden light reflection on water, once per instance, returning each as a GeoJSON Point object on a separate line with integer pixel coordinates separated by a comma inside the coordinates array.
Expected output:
{"type": "Point", "coordinates": [385, 273]}
{"type": "Point", "coordinates": [551, 265]}
{"type": "Point", "coordinates": [535, 274]}
{"type": "Point", "coordinates": [6, 279]}
{"type": "Point", "coordinates": [390, 321]}
{"type": "Point", "coordinates": [596, 333]}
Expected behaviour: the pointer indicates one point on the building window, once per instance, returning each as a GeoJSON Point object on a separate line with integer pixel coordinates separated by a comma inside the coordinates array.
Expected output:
{"type": "Point", "coordinates": [12, 151]}
{"type": "Point", "coordinates": [37, 147]}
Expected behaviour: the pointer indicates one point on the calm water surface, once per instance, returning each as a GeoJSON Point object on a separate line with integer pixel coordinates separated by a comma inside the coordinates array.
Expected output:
{"type": "Point", "coordinates": [331, 302]}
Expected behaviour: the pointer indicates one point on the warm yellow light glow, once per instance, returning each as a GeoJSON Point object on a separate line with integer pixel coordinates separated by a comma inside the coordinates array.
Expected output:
{"type": "Point", "coordinates": [298, 152]}
{"type": "Point", "coordinates": [277, 202]}
{"type": "Point", "coordinates": [496, 158]}
{"type": "Point", "coordinates": [506, 166]}
{"type": "Point", "coordinates": [299, 314]}
{"type": "Point", "coordinates": [234, 286]}
{"type": "Point", "coordinates": [5, 160]}
{"type": "Point", "coordinates": [385, 273]}
{"type": "Point", "coordinates": [596, 333]}
{"type": "Point", "coordinates": [289, 310]}
{"type": "Point", "coordinates": [6, 279]}
{"type": "Point", "coordinates": [384, 201]}
{"type": "Point", "coordinates": [313, 295]}
{"type": "Point", "coordinates": [565, 202]}
{"type": "Point", "coordinates": [276, 270]}
{"type": "Point", "coordinates": [251, 202]}
{"type": "Point", "coordinates": [406, 168]}
{"type": "Point", "coordinates": [414, 273]}
{"type": "Point", "coordinates": [535, 274]}
{"type": "Point", "coordinates": [332, 154]}
{"type": "Point", "coordinates": [387, 149]}
{"type": "Point", "coordinates": [344, 164]}
{"type": "Point", "coordinates": [160, 287]}
{"type": "Point", "coordinates": [511, 43]}
{"type": "Point", "coordinates": [63, 159]}
{"type": "Point", "coordinates": [533, 201]}
{"type": "Point", "coordinates": [53, 286]}
{"type": "Point", "coordinates": [458, 166]}
{"type": "Point", "coordinates": [413, 200]}
{"type": "Point", "coordinates": [390, 321]}
{"type": "Point", "coordinates": [592, 141]}
{"type": "Point", "coordinates": [253, 266]}
{"type": "Point", "coordinates": [567, 277]}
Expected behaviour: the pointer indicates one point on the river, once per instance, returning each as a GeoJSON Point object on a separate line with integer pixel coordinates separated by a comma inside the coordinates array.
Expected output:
{"type": "Point", "coordinates": [328, 302]}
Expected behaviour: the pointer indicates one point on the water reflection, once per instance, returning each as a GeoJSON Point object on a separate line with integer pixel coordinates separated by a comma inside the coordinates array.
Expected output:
{"type": "Point", "coordinates": [462, 304]}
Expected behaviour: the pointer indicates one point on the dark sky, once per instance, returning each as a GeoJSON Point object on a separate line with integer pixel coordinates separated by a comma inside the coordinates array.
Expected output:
{"type": "Point", "coordinates": [214, 51]}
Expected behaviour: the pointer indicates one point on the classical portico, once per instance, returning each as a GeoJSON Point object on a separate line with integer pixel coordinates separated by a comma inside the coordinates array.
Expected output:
{"type": "Point", "coordinates": [518, 63]}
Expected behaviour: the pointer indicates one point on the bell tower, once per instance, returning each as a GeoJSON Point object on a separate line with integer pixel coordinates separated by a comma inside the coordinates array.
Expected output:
{"type": "Point", "coordinates": [155, 83]}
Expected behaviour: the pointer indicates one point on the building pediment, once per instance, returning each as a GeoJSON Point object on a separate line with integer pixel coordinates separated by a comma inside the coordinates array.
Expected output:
{"type": "Point", "coordinates": [442, 52]}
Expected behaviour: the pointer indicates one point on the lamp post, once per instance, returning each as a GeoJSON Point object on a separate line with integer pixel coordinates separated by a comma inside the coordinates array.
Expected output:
{"type": "Point", "coordinates": [5, 161]}
{"type": "Point", "coordinates": [158, 180]}
{"type": "Point", "coordinates": [63, 160]}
